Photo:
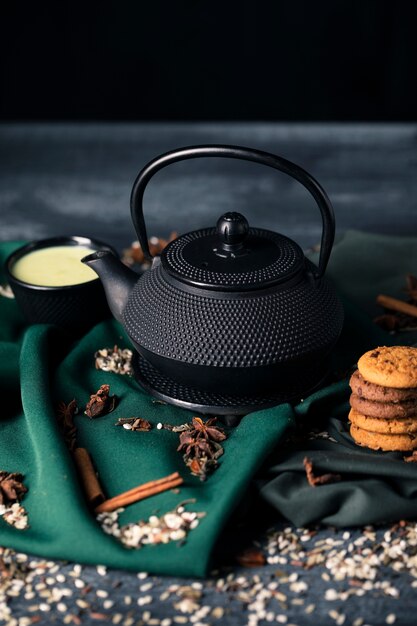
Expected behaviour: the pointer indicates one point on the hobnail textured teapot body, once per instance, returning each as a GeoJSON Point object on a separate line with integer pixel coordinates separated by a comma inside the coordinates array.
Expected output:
{"type": "Point", "coordinates": [223, 343]}
{"type": "Point", "coordinates": [231, 309]}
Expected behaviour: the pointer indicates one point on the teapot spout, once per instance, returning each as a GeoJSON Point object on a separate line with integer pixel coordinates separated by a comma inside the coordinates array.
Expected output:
{"type": "Point", "coordinates": [118, 280]}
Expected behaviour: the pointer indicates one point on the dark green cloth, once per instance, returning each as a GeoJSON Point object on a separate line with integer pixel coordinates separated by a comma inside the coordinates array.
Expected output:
{"type": "Point", "coordinates": [38, 368]}
{"type": "Point", "coordinates": [61, 525]}
{"type": "Point", "coordinates": [375, 486]}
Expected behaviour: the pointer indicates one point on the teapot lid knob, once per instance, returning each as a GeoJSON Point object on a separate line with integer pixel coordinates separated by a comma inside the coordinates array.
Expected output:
{"type": "Point", "coordinates": [233, 229]}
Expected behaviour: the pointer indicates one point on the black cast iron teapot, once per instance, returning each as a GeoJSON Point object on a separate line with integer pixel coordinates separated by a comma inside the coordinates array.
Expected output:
{"type": "Point", "coordinates": [230, 316]}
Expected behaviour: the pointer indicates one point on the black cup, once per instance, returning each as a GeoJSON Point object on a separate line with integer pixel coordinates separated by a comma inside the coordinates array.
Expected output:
{"type": "Point", "coordinates": [73, 308]}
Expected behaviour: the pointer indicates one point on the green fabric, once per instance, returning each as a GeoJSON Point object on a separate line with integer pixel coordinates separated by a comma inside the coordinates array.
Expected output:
{"type": "Point", "coordinates": [375, 486]}
{"type": "Point", "coordinates": [47, 369]}
{"type": "Point", "coordinates": [61, 525]}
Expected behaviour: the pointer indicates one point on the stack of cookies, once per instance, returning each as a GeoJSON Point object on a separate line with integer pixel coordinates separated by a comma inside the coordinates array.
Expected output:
{"type": "Point", "coordinates": [383, 403]}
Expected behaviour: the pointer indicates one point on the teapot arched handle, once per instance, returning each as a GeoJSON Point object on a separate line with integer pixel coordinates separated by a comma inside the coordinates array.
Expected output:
{"type": "Point", "coordinates": [234, 152]}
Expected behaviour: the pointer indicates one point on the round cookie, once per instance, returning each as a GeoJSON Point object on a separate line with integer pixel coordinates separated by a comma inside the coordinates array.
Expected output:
{"type": "Point", "coordinates": [370, 391]}
{"type": "Point", "coordinates": [379, 441]}
{"type": "Point", "coordinates": [384, 410]}
{"type": "Point", "coordinates": [384, 426]}
{"type": "Point", "coordinates": [393, 366]}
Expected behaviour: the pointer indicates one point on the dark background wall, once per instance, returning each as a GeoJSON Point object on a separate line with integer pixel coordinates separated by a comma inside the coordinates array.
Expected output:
{"type": "Point", "coordinates": [203, 59]}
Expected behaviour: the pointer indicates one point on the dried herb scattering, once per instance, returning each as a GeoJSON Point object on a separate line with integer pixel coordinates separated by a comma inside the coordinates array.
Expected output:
{"type": "Point", "coordinates": [201, 446]}
{"type": "Point", "coordinates": [12, 488]}
{"type": "Point", "coordinates": [134, 423]}
{"type": "Point", "coordinates": [175, 429]}
{"type": "Point", "coordinates": [396, 320]}
{"type": "Point", "coordinates": [135, 256]}
{"type": "Point", "coordinates": [65, 417]}
{"type": "Point", "coordinates": [12, 491]}
{"type": "Point", "coordinates": [116, 360]}
{"type": "Point", "coordinates": [100, 403]}
{"type": "Point", "coordinates": [314, 480]}
{"type": "Point", "coordinates": [172, 526]}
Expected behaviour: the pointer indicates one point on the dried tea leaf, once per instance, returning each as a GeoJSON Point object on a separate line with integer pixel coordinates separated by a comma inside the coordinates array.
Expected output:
{"type": "Point", "coordinates": [116, 360]}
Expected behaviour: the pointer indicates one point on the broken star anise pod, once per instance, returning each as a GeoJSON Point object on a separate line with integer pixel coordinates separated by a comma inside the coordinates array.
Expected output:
{"type": "Point", "coordinates": [65, 417]}
{"type": "Point", "coordinates": [201, 467]}
{"type": "Point", "coordinates": [100, 403]}
{"type": "Point", "coordinates": [11, 487]}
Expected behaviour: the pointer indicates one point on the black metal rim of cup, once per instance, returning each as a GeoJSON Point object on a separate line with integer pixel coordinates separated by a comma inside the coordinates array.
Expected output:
{"type": "Point", "coordinates": [73, 308]}
{"type": "Point", "coordinates": [71, 240]}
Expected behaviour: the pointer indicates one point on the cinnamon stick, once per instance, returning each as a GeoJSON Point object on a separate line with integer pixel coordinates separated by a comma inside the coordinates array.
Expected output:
{"type": "Point", "coordinates": [393, 304]}
{"type": "Point", "coordinates": [140, 492]}
{"type": "Point", "coordinates": [92, 487]}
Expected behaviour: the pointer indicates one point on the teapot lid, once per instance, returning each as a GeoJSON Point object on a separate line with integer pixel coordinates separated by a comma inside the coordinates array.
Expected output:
{"type": "Point", "coordinates": [232, 256]}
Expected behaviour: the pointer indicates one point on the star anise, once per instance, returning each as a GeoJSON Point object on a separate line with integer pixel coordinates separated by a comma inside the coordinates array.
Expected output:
{"type": "Point", "coordinates": [388, 321]}
{"type": "Point", "coordinates": [207, 429]}
{"type": "Point", "coordinates": [65, 417]}
{"type": "Point", "coordinates": [201, 446]}
{"type": "Point", "coordinates": [193, 447]}
{"type": "Point", "coordinates": [100, 403]}
{"type": "Point", "coordinates": [11, 487]}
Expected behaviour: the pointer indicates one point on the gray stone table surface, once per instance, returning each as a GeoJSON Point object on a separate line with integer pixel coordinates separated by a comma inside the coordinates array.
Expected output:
{"type": "Point", "coordinates": [76, 179]}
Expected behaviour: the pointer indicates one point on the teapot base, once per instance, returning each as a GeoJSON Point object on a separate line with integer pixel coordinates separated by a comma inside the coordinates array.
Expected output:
{"type": "Point", "coordinates": [211, 403]}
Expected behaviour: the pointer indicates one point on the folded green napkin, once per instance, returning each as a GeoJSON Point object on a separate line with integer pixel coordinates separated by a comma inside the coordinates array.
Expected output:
{"type": "Point", "coordinates": [37, 370]}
